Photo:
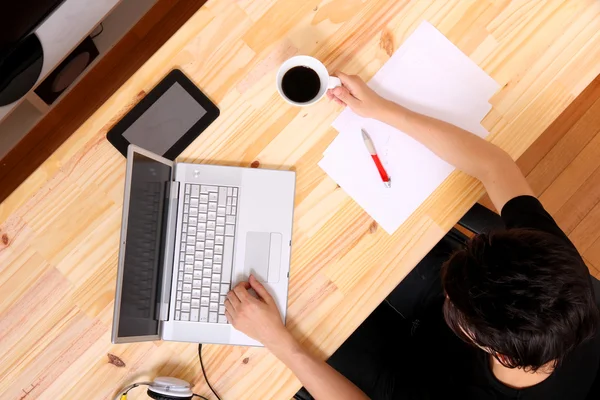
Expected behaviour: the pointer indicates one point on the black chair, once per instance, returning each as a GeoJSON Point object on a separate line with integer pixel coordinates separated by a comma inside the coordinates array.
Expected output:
{"type": "Point", "coordinates": [477, 220]}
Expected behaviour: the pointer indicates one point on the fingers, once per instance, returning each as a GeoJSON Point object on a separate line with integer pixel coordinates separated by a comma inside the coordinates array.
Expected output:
{"type": "Point", "coordinates": [229, 307]}
{"type": "Point", "coordinates": [237, 295]}
{"type": "Point", "coordinates": [331, 96]}
{"type": "Point", "coordinates": [241, 290]}
{"type": "Point", "coordinates": [229, 316]}
{"type": "Point", "coordinates": [260, 290]}
{"type": "Point", "coordinates": [352, 82]}
{"type": "Point", "coordinates": [342, 94]}
{"type": "Point", "coordinates": [233, 301]}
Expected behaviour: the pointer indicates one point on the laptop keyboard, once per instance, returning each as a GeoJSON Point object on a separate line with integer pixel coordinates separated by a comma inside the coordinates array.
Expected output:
{"type": "Point", "coordinates": [206, 258]}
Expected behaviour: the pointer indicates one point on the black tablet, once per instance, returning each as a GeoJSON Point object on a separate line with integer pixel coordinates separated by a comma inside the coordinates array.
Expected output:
{"type": "Point", "coordinates": [167, 120]}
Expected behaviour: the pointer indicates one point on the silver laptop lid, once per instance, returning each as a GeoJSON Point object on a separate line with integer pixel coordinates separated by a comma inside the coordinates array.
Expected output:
{"type": "Point", "coordinates": [141, 252]}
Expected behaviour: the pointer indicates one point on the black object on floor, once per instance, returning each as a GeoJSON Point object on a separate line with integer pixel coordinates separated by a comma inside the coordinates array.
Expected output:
{"type": "Point", "coordinates": [20, 68]}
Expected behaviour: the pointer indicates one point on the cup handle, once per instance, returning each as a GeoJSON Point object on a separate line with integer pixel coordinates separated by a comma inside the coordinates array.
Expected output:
{"type": "Point", "coordinates": [334, 82]}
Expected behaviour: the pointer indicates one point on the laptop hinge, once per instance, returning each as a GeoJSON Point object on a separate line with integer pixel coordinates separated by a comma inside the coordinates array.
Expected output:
{"type": "Point", "coordinates": [169, 243]}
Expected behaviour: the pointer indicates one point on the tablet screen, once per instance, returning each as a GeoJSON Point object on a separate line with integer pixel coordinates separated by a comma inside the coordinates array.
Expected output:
{"type": "Point", "coordinates": [166, 121]}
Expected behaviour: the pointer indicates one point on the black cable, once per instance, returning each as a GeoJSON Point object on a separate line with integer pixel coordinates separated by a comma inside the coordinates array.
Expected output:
{"type": "Point", "coordinates": [204, 372]}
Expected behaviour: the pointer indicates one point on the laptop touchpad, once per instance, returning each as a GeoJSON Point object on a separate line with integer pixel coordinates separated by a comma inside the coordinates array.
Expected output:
{"type": "Point", "coordinates": [263, 256]}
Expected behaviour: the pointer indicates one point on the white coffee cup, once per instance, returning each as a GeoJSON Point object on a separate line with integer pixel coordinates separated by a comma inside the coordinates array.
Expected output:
{"type": "Point", "coordinates": [327, 82]}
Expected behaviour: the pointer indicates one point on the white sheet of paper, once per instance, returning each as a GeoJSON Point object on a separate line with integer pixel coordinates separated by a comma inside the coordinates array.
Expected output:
{"type": "Point", "coordinates": [429, 54]}
{"type": "Point", "coordinates": [351, 167]}
{"type": "Point", "coordinates": [429, 75]}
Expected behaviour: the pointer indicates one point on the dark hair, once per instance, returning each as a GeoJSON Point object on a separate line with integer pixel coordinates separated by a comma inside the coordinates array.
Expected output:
{"type": "Point", "coordinates": [525, 295]}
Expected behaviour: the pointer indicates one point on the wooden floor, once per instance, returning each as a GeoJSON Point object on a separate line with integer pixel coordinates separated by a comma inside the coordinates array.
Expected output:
{"type": "Point", "coordinates": [143, 40]}
{"type": "Point", "coordinates": [563, 168]}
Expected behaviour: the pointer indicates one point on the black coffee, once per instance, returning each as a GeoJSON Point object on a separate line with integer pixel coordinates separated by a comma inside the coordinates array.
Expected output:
{"type": "Point", "coordinates": [301, 84]}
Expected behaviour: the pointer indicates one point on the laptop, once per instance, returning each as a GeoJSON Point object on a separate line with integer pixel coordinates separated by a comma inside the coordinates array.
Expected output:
{"type": "Point", "coordinates": [191, 232]}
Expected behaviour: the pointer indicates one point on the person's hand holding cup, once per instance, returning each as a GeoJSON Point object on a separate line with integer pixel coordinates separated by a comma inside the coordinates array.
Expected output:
{"type": "Point", "coordinates": [361, 99]}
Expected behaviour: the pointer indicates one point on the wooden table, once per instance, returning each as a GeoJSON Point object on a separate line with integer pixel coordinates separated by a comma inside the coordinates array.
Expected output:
{"type": "Point", "coordinates": [60, 229]}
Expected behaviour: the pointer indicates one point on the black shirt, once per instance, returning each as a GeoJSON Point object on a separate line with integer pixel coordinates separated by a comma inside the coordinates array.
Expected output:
{"type": "Point", "coordinates": [468, 372]}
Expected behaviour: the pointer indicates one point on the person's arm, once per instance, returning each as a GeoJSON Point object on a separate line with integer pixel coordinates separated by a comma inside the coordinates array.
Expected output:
{"type": "Point", "coordinates": [259, 318]}
{"type": "Point", "coordinates": [469, 153]}
{"type": "Point", "coordinates": [319, 378]}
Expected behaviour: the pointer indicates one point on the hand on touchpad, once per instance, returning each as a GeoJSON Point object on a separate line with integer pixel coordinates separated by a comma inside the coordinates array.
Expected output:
{"type": "Point", "coordinates": [263, 256]}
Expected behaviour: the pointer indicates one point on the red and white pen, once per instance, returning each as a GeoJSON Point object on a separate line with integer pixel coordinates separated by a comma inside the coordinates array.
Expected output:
{"type": "Point", "coordinates": [371, 147]}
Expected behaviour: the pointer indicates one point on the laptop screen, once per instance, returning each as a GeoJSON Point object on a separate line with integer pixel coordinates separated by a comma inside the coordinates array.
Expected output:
{"type": "Point", "coordinates": [144, 248]}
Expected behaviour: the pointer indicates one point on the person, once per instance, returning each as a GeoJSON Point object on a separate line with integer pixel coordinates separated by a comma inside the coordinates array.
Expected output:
{"type": "Point", "coordinates": [514, 316]}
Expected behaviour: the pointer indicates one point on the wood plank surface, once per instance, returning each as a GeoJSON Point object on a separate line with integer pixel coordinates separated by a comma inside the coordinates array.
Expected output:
{"type": "Point", "coordinates": [60, 228]}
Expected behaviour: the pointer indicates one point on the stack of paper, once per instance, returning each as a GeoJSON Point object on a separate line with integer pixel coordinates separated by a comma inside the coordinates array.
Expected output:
{"type": "Point", "coordinates": [429, 75]}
